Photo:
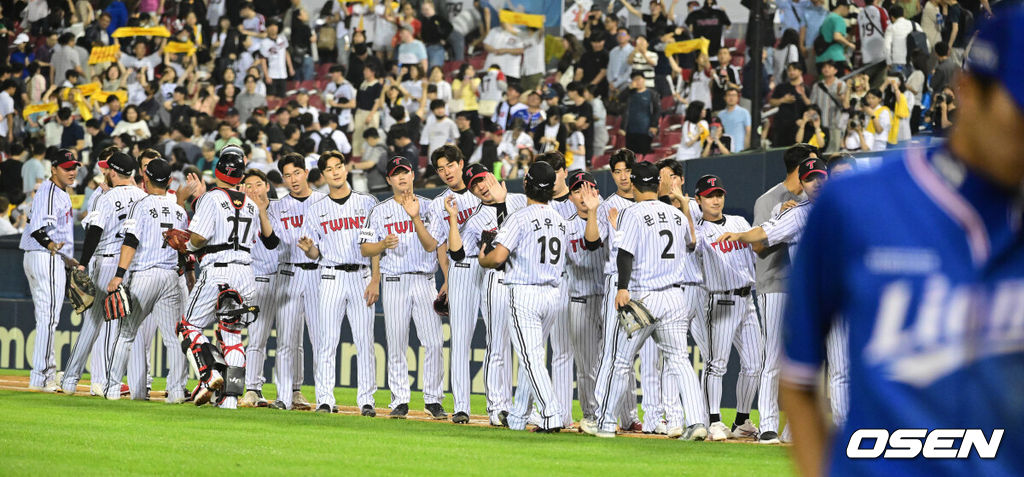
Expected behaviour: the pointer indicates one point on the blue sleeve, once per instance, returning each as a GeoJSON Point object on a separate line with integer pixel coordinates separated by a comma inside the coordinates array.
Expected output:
{"type": "Point", "coordinates": [815, 290]}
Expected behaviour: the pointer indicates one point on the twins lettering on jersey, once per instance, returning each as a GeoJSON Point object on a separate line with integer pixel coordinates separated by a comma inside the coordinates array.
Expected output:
{"type": "Point", "coordinates": [403, 227]}
{"type": "Point", "coordinates": [729, 246]}
{"type": "Point", "coordinates": [292, 222]}
{"type": "Point", "coordinates": [464, 215]}
{"type": "Point", "coordinates": [343, 223]}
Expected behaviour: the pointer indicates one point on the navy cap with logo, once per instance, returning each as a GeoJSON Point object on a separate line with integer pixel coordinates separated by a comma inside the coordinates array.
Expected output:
{"type": "Point", "coordinates": [63, 158]}
{"type": "Point", "coordinates": [473, 173]}
{"type": "Point", "coordinates": [811, 166]}
{"type": "Point", "coordinates": [644, 173]}
{"type": "Point", "coordinates": [579, 178]}
{"type": "Point", "coordinates": [708, 184]}
{"type": "Point", "coordinates": [159, 171]}
{"type": "Point", "coordinates": [122, 163]}
{"type": "Point", "coordinates": [540, 177]}
{"type": "Point", "coordinates": [397, 164]}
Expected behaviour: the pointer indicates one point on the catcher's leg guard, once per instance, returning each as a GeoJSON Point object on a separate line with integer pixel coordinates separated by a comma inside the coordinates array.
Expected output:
{"type": "Point", "coordinates": [206, 360]}
{"type": "Point", "coordinates": [234, 381]}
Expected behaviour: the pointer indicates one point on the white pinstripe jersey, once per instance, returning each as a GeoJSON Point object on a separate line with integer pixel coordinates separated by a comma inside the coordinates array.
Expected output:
{"type": "Point", "coordinates": [727, 265]}
{"type": "Point", "coordinates": [656, 234]}
{"type": "Point", "coordinates": [264, 260]}
{"type": "Point", "coordinates": [335, 228]}
{"type": "Point", "coordinates": [693, 272]}
{"type": "Point", "coordinates": [51, 210]}
{"type": "Point", "coordinates": [787, 226]}
{"type": "Point", "coordinates": [585, 267]}
{"type": "Point", "coordinates": [619, 203]}
{"type": "Point", "coordinates": [215, 220]}
{"type": "Point", "coordinates": [111, 211]}
{"type": "Point", "coordinates": [486, 218]}
{"type": "Point", "coordinates": [148, 218]}
{"type": "Point", "coordinates": [535, 237]}
{"type": "Point", "coordinates": [389, 217]}
{"type": "Point", "coordinates": [465, 202]}
{"type": "Point", "coordinates": [563, 206]}
{"type": "Point", "coordinates": [96, 194]}
{"type": "Point", "coordinates": [287, 216]}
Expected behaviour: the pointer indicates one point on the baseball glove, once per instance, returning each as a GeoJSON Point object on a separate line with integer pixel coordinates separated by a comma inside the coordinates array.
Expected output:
{"type": "Point", "coordinates": [117, 305]}
{"type": "Point", "coordinates": [441, 305]}
{"type": "Point", "coordinates": [486, 241]}
{"type": "Point", "coordinates": [81, 290]}
{"type": "Point", "coordinates": [177, 239]}
{"type": "Point", "coordinates": [634, 316]}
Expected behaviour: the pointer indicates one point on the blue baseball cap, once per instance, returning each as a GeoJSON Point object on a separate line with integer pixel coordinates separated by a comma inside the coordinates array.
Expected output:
{"type": "Point", "coordinates": [995, 52]}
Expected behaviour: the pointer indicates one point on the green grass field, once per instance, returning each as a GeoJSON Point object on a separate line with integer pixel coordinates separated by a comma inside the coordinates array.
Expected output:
{"type": "Point", "coordinates": [64, 435]}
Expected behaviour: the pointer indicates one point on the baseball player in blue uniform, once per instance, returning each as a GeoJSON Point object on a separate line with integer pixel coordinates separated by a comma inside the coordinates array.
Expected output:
{"type": "Point", "coordinates": [466, 277]}
{"type": "Point", "coordinates": [48, 242]}
{"type": "Point", "coordinates": [532, 244]}
{"type": "Point", "coordinates": [924, 259]}
{"type": "Point", "coordinates": [397, 232]}
{"type": "Point", "coordinates": [349, 282]}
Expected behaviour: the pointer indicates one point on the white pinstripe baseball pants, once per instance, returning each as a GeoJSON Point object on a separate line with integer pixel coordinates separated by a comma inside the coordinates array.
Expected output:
{"type": "Point", "coordinates": [557, 331]}
{"type": "Point", "coordinates": [586, 328]}
{"type": "Point", "coordinates": [139, 360]}
{"type": "Point", "coordinates": [498, 357]}
{"type": "Point", "coordinates": [47, 280]}
{"type": "Point", "coordinates": [298, 307]}
{"type": "Point", "coordinates": [265, 297]}
{"type": "Point", "coordinates": [627, 411]}
{"type": "Point", "coordinates": [341, 295]}
{"type": "Point", "coordinates": [749, 344]}
{"type": "Point", "coordinates": [411, 296]}
{"type": "Point", "coordinates": [837, 351]}
{"type": "Point", "coordinates": [97, 336]}
{"type": "Point", "coordinates": [156, 296]}
{"type": "Point", "coordinates": [464, 303]}
{"type": "Point", "coordinates": [770, 307]}
{"type": "Point", "coordinates": [669, 332]}
{"type": "Point", "coordinates": [532, 306]}
{"type": "Point", "coordinates": [715, 336]}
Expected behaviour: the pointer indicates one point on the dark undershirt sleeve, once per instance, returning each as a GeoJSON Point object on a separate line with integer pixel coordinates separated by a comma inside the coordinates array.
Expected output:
{"type": "Point", "coordinates": [624, 261]}
{"type": "Point", "coordinates": [457, 255]}
{"type": "Point", "coordinates": [92, 239]}
{"type": "Point", "coordinates": [502, 212]}
{"type": "Point", "coordinates": [131, 241]}
{"type": "Point", "coordinates": [271, 241]}
{"type": "Point", "coordinates": [41, 237]}
{"type": "Point", "coordinates": [587, 244]}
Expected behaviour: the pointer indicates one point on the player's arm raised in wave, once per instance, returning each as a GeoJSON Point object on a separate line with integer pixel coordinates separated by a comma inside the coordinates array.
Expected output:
{"type": "Point", "coordinates": [592, 232]}
{"type": "Point", "coordinates": [455, 249]}
{"type": "Point", "coordinates": [411, 204]}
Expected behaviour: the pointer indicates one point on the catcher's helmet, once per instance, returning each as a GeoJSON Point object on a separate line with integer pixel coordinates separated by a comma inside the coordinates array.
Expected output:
{"type": "Point", "coordinates": [441, 305]}
{"type": "Point", "coordinates": [231, 165]}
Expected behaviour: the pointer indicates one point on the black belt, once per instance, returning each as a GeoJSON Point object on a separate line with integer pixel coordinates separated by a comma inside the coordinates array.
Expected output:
{"type": "Point", "coordinates": [222, 247]}
{"type": "Point", "coordinates": [305, 265]}
{"type": "Point", "coordinates": [221, 264]}
{"type": "Point", "coordinates": [347, 267]}
{"type": "Point", "coordinates": [107, 255]}
{"type": "Point", "coordinates": [745, 291]}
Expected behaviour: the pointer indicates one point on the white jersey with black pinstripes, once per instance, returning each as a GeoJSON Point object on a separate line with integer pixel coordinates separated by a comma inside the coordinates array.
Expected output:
{"type": "Point", "coordinates": [91, 204]}
{"type": "Point", "coordinates": [656, 234]}
{"type": "Point", "coordinates": [693, 272]}
{"type": "Point", "coordinates": [563, 206]}
{"type": "Point", "coordinates": [536, 240]}
{"type": "Point", "coordinates": [147, 220]}
{"type": "Point", "coordinates": [286, 216]}
{"type": "Point", "coordinates": [727, 265]}
{"type": "Point", "coordinates": [334, 226]}
{"type": "Point", "coordinates": [787, 226]}
{"type": "Point", "coordinates": [216, 220]}
{"type": "Point", "coordinates": [389, 217]}
{"type": "Point", "coordinates": [619, 203]}
{"type": "Point", "coordinates": [51, 210]}
{"type": "Point", "coordinates": [111, 211]}
{"type": "Point", "coordinates": [486, 218]}
{"type": "Point", "coordinates": [585, 267]}
{"type": "Point", "coordinates": [264, 260]}
{"type": "Point", "coordinates": [465, 202]}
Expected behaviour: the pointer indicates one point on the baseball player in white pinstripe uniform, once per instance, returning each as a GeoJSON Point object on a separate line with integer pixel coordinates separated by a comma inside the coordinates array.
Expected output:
{"type": "Point", "coordinates": [532, 244]}
{"type": "Point", "coordinates": [349, 282]}
{"type": "Point", "coordinates": [103, 238]}
{"type": "Point", "coordinates": [396, 229]}
{"type": "Point", "coordinates": [264, 268]}
{"type": "Point", "coordinates": [153, 283]}
{"type": "Point", "coordinates": [298, 283]}
{"type": "Point", "coordinates": [224, 227]}
{"type": "Point", "coordinates": [728, 277]}
{"type": "Point", "coordinates": [585, 264]}
{"type": "Point", "coordinates": [495, 206]}
{"type": "Point", "coordinates": [465, 276]}
{"type": "Point", "coordinates": [786, 227]}
{"type": "Point", "coordinates": [48, 242]}
{"type": "Point", "coordinates": [652, 235]}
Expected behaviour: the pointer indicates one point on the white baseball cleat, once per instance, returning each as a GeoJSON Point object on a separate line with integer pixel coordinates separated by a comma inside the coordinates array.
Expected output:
{"type": "Point", "coordinates": [535, 418]}
{"type": "Point", "coordinates": [299, 402]}
{"type": "Point", "coordinates": [718, 431]}
{"type": "Point", "coordinates": [589, 426]}
{"type": "Point", "coordinates": [661, 428]}
{"type": "Point", "coordinates": [696, 432]}
{"type": "Point", "coordinates": [605, 434]}
{"type": "Point", "coordinates": [216, 381]}
{"type": "Point", "coordinates": [250, 399]}
{"type": "Point", "coordinates": [49, 387]}
{"type": "Point", "coordinates": [674, 432]}
{"type": "Point", "coordinates": [745, 430]}
{"type": "Point", "coordinates": [768, 437]}
{"type": "Point", "coordinates": [174, 399]}
{"type": "Point", "coordinates": [96, 389]}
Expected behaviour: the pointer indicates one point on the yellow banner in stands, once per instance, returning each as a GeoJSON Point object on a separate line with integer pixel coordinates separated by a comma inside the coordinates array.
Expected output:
{"type": "Point", "coordinates": [125, 32]}
{"type": "Point", "coordinates": [180, 47]}
{"type": "Point", "coordinates": [102, 96]}
{"type": "Point", "coordinates": [89, 89]}
{"type": "Point", "coordinates": [77, 201]}
{"type": "Point", "coordinates": [48, 108]}
{"type": "Point", "coordinates": [681, 47]}
{"type": "Point", "coordinates": [517, 18]}
{"type": "Point", "coordinates": [104, 54]}
{"type": "Point", "coordinates": [368, 3]}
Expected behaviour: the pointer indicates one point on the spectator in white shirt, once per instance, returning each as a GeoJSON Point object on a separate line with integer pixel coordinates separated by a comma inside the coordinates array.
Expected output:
{"type": "Point", "coordinates": [441, 131]}
{"type": "Point", "coordinates": [618, 61]}
{"type": "Point", "coordinates": [279, 62]}
{"type": "Point", "coordinates": [896, 40]}
{"type": "Point", "coordinates": [505, 49]}
{"type": "Point", "coordinates": [872, 21]}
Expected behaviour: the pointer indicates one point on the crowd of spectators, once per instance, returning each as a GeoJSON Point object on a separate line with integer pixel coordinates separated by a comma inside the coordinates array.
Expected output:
{"type": "Point", "coordinates": [376, 79]}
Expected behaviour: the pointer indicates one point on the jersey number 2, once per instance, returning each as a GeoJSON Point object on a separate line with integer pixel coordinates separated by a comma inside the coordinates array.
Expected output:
{"type": "Point", "coordinates": [552, 244]}
{"type": "Point", "coordinates": [667, 253]}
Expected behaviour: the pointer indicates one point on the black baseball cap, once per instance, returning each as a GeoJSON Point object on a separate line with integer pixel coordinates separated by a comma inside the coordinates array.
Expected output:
{"type": "Point", "coordinates": [473, 173]}
{"type": "Point", "coordinates": [579, 178]}
{"type": "Point", "coordinates": [644, 173]}
{"type": "Point", "coordinates": [540, 176]}
{"type": "Point", "coordinates": [159, 171]}
{"type": "Point", "coordinates": [63, 158]}
{"type": "Point", "coordinates": [812, 165]}
{"type": "Point", "coordinates": [397, 163]}
{"type": "Point", "coordinates": [708, 184]}
{"type": "Point", "coordinates": [122, 163]}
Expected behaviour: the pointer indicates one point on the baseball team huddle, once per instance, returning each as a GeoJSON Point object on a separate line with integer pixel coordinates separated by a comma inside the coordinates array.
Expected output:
{"type": "Point", "coordinates": [602, 280]}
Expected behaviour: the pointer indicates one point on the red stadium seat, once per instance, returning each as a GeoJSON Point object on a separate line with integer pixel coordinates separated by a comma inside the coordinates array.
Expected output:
{"type": "Point", "coordinates": [323, 69]}
{"type": "Point", "coordinates": [668, 103]}
{"type": "Point", "coordinates": [478, 61]}
{"type": "Point", "coordinates": [599, 161]}
{"type": "Point", "coordinates": [670, 138]}
{"type": "Point", "coordinates": [450, 67]}
{"type": "Point", "coordinates": [317, 102]}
